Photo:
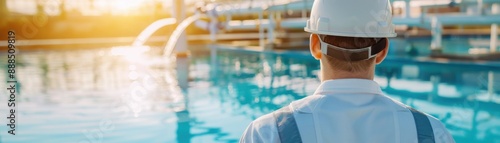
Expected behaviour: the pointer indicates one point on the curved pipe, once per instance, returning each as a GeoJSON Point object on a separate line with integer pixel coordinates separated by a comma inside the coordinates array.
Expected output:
{"type": "Point", "coordinates": [167, 51]}
{"type": "Point", "coordinates": [153, 27]}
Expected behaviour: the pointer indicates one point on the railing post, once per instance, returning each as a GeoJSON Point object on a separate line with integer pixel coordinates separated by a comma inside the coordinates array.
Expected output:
{"type": "Point", "coordinates": [261, 31]}
{"type": "Point", "coordinates": [436, 30]}
{"type": "Point", "coordinates": [213, 24]}
{"type": "Point", "coordinates": [495, 8]}
{"type": "Point", "coordinates": [270, 30]}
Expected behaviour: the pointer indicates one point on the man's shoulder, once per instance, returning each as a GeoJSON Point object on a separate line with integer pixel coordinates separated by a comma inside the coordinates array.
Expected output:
{"type": "Point", "coordinates": [265, 121]}
{"type": "Point", "coordinates": [261, 130]}
{"type": "Point", "coordinates": [437, 125]}
{"type": "Point", "coordinates": [441, 134]}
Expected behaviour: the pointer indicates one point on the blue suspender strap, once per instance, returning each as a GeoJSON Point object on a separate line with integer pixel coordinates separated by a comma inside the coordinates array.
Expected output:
{"type": "Point", "coordinates": [424, 127]}
{"type": "Point", "coordinates": [286, 125]}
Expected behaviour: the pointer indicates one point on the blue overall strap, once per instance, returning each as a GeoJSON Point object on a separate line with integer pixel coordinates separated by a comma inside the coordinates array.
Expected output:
{"type": "Point", "coordinates": [286, 125]}
{"type": "Point", "coordinates": [424, 127]}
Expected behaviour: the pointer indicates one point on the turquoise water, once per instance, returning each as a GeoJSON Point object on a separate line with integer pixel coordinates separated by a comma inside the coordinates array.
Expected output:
{"type": "Point", "coordinates": [119, 95]}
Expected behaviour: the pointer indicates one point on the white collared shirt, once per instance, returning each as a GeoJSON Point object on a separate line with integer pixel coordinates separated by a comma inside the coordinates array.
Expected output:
{"type": "Point", "coordinates": [347, 111]}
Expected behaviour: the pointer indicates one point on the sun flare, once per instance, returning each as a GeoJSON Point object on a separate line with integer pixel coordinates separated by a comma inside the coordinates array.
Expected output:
{"type": "Point", "coordinates": [125, 6]}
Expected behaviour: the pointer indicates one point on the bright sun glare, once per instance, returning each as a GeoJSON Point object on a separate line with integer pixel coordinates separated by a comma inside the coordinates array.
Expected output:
{"type": "Point", "coordinates": [124, 5]}
{"type": "Point", "coordinates": [119, 6]}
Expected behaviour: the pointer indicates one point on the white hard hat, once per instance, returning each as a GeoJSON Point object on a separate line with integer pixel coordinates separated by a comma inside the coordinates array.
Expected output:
{"type": "Point", "coordinates": [351, 18]}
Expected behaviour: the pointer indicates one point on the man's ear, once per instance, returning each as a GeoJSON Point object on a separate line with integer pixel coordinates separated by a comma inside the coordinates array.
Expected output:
{"type": "Point", "coordinates": [381, 56]}
{"type": "Point", "coordinates": [315, 46]}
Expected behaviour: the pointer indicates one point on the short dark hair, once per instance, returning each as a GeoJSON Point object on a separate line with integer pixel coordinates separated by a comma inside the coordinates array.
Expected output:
{"type": "Point", "coordinates": [349, 43]}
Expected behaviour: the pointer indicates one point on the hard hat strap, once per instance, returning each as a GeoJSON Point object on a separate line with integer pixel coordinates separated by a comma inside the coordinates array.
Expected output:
{"type": "Point", "coordinates": [352, 54]}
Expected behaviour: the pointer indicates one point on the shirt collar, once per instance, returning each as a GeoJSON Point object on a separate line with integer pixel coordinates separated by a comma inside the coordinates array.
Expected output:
{"type": "Point", "coordinates": [349, 86]}
{"type": "Point", "coordinates": [356, 88]}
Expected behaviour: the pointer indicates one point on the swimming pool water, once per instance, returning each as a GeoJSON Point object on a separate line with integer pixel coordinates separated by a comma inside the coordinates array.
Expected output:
{"type": "Point", "coordinates": [114, 95]}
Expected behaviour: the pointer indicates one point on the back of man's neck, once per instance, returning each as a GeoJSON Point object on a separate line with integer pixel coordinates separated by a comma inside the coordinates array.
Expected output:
{"type": "Point", "coordinates": [346, 75]}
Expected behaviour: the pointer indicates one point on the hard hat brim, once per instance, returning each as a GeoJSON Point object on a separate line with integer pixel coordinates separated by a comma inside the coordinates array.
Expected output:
{"type": "Point", "coordinates": [365, 35]}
